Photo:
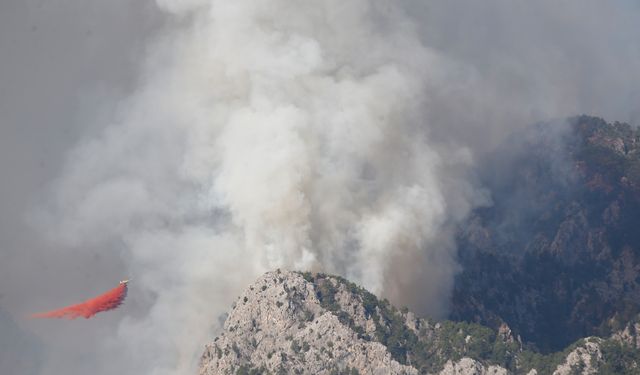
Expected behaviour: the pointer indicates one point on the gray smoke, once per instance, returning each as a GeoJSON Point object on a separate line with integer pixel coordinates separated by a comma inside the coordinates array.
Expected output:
{"type": "Point", "coordinates": [330, 136]}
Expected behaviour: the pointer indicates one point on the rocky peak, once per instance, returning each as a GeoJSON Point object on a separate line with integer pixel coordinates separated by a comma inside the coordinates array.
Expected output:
{"type": "Point", "coordinates": [284, 323]}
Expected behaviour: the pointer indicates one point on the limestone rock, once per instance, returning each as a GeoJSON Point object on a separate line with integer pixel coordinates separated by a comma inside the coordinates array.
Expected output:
{"type": "Point", "coordinates": [279, 325]}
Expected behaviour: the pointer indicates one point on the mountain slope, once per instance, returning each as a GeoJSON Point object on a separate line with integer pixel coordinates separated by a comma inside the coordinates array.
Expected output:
{"type": "Point", "coordinates": [557, 255]}
{"type": "Point", "coordinates": [295, 323]}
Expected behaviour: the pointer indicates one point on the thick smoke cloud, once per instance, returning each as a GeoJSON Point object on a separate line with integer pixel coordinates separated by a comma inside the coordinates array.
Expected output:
{"type": "Point", "coordinates": [329, 136]}
{"type": "Point", "coordinates": [261, 138]}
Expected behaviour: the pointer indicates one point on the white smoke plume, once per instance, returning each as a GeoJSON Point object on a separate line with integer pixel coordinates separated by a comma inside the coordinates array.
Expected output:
{"type": "Point", "coordinates": [328, 136]}
{"type": "Point", "coordinates": [267, 135]}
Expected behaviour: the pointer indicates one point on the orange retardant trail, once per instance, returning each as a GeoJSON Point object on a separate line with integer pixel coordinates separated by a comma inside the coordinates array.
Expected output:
{"type": "Point", "coordinates": [104, 302]}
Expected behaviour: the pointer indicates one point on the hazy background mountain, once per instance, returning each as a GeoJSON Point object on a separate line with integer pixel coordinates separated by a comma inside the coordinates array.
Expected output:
{"type": "Point", "coordinates": [556, 254]}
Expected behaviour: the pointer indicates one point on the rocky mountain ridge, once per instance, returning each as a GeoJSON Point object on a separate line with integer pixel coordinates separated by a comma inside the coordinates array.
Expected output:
{"type": "Point", "coordinates": [557, 254]}
{"type": "Point", "coordinates": [303, 323]}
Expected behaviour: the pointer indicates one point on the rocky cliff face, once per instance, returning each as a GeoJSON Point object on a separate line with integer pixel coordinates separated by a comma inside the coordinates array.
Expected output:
{"type": "Point", "coordinates": [301, 323]}
{"type": "Point", "coordinates": [557, 255]}
{"type": "Point", "coordinates": [284, 323]}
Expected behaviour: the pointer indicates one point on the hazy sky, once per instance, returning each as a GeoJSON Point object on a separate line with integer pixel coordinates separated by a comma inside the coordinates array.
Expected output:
{"type": "Point", "coordinates": [194, 144]}
{"type": "Point", "coordinates": [64, 66]}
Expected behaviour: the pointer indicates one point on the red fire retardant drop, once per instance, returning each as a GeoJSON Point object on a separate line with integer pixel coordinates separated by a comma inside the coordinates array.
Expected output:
{"type": "Point", "coordinates": [104, 302]}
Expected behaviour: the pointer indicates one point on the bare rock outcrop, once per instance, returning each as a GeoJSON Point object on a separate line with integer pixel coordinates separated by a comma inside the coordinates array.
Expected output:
{"type": "Point", "coordinates": [279, 325]}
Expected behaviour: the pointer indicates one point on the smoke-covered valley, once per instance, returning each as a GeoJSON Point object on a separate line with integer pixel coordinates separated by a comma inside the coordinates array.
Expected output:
{"type": "Point", "coordinates": [194, 145]}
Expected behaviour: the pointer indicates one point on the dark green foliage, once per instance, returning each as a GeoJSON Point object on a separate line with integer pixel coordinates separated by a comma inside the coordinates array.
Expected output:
{"type": "Point", "coordinates": [504, 354]}
{"type": "Point", "coordinates": [369, 301]}
{"type": "Point", "coordinates": [360, 331]}
{"type": "Point", "coordinates": [619, 359]}
{"type": "Point", "coordinates": [326, 293]}
{"type": "Point", "coordinates": [393, 333]}
{"type": "Point", "coordinates": [455, 340]}
{"type": "Point", "coordinates": [308, 315]}
{"type": "Point", "coordinates": [236, 349]}
{"type": "Point", "coordinates": [545, 364]}
{"type": "Point", "coordinates": [308, 276]}
{"type": "Point", "coordinates": [345, 318]}
{"type": "Point", "coordinates": [295, 346]}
